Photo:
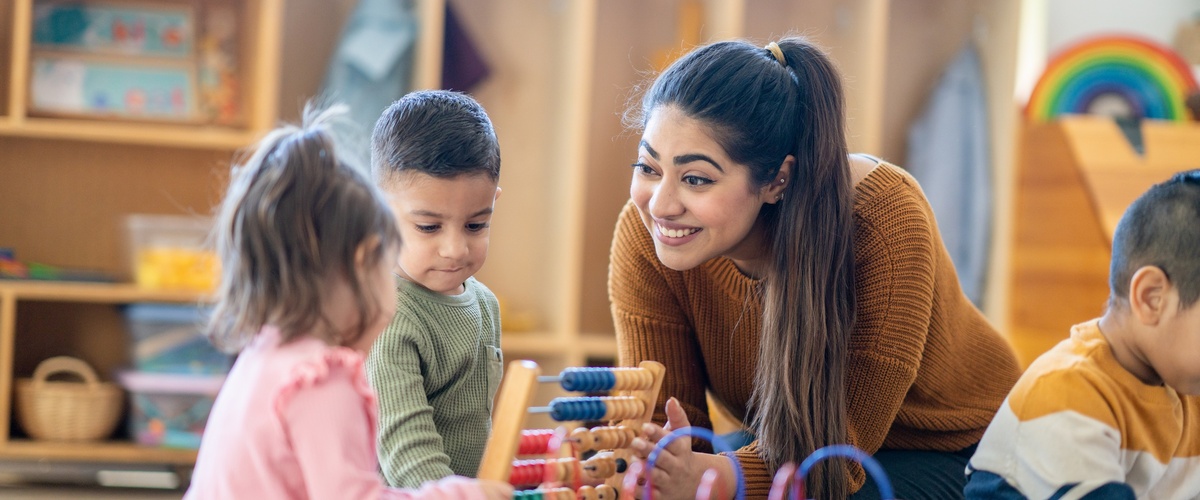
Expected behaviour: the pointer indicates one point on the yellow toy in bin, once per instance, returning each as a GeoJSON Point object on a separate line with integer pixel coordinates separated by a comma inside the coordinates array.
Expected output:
{"type": "Point", "coordinates": [67, 411]}
{"type": "Point", "coordinates": [172, 252]}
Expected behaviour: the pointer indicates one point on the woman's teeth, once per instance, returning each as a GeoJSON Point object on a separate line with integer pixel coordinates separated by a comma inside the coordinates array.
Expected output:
{"type": "Point", "coordinates": [676, 233]}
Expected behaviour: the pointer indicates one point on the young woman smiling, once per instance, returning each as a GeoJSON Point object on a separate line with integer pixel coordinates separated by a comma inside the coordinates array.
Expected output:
{"type": "Point", "coordinates": [805, 288]}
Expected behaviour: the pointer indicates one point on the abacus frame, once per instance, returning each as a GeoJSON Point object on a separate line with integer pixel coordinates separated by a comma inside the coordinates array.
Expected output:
{"type": "Point", "coordinates": [513, 401]}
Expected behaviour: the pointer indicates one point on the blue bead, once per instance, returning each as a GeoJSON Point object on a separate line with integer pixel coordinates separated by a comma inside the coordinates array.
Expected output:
{"type": "Point", "coordinates": [588, 379]}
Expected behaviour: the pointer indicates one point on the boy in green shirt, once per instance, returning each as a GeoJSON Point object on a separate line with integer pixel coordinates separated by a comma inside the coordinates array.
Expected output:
{"type": "Point", "coordinates": [437, 365]}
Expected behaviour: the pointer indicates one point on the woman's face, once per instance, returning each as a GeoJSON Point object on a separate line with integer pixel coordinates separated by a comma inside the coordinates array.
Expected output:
{"type": "Point", "coordinates": [696, 202]}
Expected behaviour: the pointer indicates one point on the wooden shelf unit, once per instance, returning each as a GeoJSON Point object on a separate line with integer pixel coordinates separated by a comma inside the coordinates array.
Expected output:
{"type": "Point", "coordinates": [106, 451]}
{"type": "Point", "coordinates": [258, 68]}
{"type": "Point", "coordinates": [68, 183]}
{"type": "Point", "coordinates": [17, 294]}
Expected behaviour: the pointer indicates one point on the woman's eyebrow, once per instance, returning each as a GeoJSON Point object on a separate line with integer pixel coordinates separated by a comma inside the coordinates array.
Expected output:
{"type": "Point", "coordinates": [681, 159]}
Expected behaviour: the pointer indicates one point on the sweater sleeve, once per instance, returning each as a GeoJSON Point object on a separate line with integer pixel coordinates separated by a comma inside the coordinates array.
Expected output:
{"type": "Point", "coordinates": [651, 323]}
{"type": "Point", "coordinates": [411, 451]}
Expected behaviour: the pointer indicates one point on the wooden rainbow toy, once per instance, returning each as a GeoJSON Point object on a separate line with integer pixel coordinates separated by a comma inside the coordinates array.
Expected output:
{"type": "Point", "coordinates": [1145, 78]}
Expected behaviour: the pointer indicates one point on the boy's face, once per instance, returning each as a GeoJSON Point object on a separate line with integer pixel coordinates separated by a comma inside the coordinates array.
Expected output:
{"type": "Point", "coordinates": [444, 225]}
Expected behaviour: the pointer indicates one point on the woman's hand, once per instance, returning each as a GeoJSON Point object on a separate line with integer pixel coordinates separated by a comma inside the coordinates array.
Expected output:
{"type": "Point", "coordinates": [677, 470]}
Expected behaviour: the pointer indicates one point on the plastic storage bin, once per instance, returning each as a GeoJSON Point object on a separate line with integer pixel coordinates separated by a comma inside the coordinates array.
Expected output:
{"type": "Point", "coordinates": [172, 252]}
{"type": "Point", "coordinates": [168, 338]}
{"type": "Point", "coordinates": [169, 410]}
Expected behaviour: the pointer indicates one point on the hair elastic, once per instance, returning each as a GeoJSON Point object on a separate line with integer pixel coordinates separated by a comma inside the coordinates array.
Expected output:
{"type": "Point", "coordinates": [774, 49]}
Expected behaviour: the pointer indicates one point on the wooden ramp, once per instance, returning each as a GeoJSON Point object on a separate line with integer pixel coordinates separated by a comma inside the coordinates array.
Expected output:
{"type": "Point", "coordinates": [1076, 176]}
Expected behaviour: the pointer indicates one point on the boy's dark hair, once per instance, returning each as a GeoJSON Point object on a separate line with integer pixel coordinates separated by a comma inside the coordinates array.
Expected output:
{"type": "Point", "coordinates": [437, 132]}
{"type": "Point", "coordinates": [1162, 229]}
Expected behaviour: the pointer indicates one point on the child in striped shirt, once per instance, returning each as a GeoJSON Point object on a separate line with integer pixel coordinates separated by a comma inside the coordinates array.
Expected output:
{"type": "Point", "coordinates": [1114, 410]}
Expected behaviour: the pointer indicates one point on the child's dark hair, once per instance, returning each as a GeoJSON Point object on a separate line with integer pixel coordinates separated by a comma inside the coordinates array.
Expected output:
{"type": "Point", "coordinates": [1162, 229]}
{"type": "Point", "coordinates": [436, 132]}
{"type": "Point", "coordinates": [294, 218]}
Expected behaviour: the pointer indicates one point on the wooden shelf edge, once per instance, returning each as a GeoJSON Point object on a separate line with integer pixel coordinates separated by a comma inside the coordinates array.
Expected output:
{"type": "Point", "coordinates": [104, 451]}
{"type": "Point", "coordinates": [148, 134]}
{"type": "Point", "coordinates": [106, 293]}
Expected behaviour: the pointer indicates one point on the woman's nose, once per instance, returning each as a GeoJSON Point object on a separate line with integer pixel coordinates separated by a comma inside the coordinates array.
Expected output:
{"type": "Point", "coordinates": [664, 201]}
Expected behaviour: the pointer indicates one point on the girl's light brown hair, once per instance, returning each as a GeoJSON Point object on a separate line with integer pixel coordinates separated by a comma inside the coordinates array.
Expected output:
{"type": "Point", "coordinates": [293, 218]}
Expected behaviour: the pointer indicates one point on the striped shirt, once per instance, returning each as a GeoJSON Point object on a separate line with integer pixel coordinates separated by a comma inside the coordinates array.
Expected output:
{"type": "Point", "coordinates": [1079, 425]}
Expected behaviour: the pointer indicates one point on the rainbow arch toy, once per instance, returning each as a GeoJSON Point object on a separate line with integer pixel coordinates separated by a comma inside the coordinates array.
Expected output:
{"type": "Point", "coordinates": [1143, 77]}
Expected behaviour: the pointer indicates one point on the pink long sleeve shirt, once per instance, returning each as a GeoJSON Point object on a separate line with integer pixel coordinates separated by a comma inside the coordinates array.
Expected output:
{"type": "Point", "coordinates": [297, 421]}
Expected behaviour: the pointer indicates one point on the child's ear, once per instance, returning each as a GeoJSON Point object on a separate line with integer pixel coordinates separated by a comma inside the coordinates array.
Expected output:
{"type": "Point", "coordinates": [498, 190]}
{"type": "Point", "coordinates": [773, 192]}
{"type": "Point", "coordinates": [1150, 294]}
{"type": "Point", "coordinates": [364, 249]}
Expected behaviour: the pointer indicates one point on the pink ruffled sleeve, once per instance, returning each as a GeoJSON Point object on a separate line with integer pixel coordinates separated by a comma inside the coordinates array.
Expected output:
{"type": "Point", "coordinates": [328, 412]}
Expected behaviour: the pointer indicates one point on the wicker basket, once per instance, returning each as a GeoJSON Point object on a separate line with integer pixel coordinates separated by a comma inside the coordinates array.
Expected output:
{"type": "Point", "coordinates": [67, 411]}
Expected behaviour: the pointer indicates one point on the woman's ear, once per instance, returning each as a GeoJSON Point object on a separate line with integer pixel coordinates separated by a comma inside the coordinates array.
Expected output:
{"type": "Point", "coordinates": [773, 192]}
{"type": "Point", "coordinates": [1149, 294]}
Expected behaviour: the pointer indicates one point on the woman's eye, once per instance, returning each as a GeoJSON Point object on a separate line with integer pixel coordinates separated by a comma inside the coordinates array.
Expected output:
{"type": "Point", "coordinates": [427, 229]}
{"type": "Point", "coordinates": [476, 227]}
{"type": "Point", "coordinates": [644, 169]}
{"type": "Point", "coordinates": [693, 180]}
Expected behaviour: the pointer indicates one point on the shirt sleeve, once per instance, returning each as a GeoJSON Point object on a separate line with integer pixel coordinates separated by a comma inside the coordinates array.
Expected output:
{"type": "Point", "coordinates": [411, 451]}
{"type": "Point", "coordinates": [328, 423]}
{"type": "Point", "coordinates": [651, 324]}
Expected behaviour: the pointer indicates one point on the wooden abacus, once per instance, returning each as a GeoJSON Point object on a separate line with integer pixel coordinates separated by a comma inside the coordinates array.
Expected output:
{"type": "Point", "coordinates": [637, 392]}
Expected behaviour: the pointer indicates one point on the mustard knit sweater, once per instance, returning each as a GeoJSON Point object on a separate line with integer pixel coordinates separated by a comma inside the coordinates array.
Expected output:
{"type": "Point", "coordinates": [925, 369]}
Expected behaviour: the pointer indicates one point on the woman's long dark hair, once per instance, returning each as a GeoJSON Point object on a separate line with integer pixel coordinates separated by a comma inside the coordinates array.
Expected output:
{"type": "Point", "coordinates": [760, 110]}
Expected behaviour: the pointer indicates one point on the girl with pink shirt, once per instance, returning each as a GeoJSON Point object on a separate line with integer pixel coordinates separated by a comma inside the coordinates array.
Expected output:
{"type": "Point", "coordinates": [306, 247]}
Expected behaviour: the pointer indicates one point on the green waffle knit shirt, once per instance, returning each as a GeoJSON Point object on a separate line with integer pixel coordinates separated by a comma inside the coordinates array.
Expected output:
{"type": "Point", "coordinates": [435, 370]}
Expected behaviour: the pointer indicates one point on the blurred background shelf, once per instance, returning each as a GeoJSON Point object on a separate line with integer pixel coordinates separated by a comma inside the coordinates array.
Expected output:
{"type": "Point", "coordinates": [167, 135]}
{"type": "Point", "coordinates": [104, 451]}
{"type": "Point", "coordinates": [100, 293]}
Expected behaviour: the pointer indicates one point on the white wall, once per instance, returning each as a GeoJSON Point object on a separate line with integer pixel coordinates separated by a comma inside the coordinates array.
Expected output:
{"type": "Point", "coordinates": [1057, 24]}
{"type": "Point", "coordinates": [1070, 20]}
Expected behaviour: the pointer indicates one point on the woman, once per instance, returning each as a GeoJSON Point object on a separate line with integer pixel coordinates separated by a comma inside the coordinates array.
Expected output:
{"type": "Point", "coordinates": [805, 288]}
